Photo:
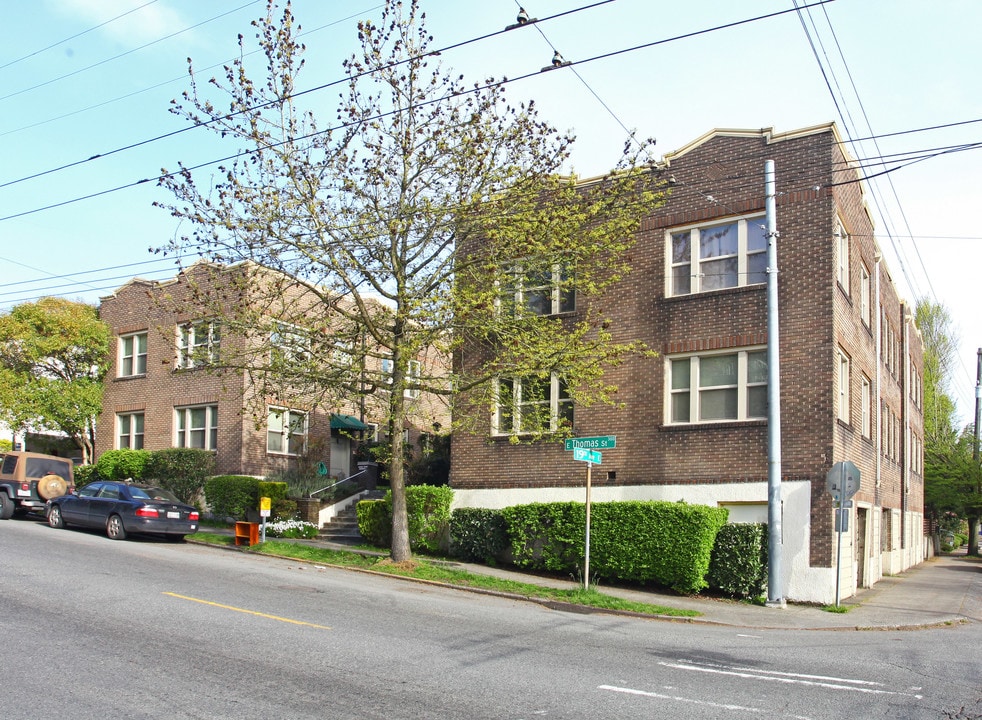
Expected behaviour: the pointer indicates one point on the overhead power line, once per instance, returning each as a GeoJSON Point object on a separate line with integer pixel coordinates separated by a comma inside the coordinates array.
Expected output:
{"type": "Point", "coordinates": [76, 35]}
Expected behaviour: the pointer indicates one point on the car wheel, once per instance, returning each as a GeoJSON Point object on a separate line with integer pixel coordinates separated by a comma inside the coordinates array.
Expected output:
{"type": "Point", "coordinates": [55, 519]}
{"type": "Point", "coordinates": [114, 528]}
{"type": "Point", "coordinates": [6, 507]}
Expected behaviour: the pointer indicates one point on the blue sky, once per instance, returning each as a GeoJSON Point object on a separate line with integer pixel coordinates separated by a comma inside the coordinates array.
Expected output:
{"type": "Point", "coordinates": [77, 80]}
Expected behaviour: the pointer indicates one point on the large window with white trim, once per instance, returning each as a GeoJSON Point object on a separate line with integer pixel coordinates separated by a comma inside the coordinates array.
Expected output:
{"type": "Point", "coordinates": [713, 257]}
{"type": "Point", "coordinates": [196, 427]}
{"type": "Point", "coordinates": [532, 405]}
{"type": "Point", "coordinates": [198, 344]}
{"type": "Point", "coordinates": [132, 355]}
{"type": "Point", "coordinates": [286, 431]}
{"type": "Point", "coordinates": [545, 289]}
{"type": "Point", "coordinates": [129, 431]}
{"type": "Point", "coordinates": [717, 387]}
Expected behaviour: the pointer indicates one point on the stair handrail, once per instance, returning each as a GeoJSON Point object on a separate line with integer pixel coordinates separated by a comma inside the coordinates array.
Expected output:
{"type": "Point", "coordinates": [363, 471]}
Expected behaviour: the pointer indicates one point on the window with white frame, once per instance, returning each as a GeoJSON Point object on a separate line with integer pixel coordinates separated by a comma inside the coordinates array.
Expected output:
{"type": "Point", "coordinates": [196, 427]}
{"type": "Point", "coordinates": [129, 431]}
{"type": "Point", "coordinates": [289, 344]}
{"type": "Point", "coordinates": [842, 383]}
{"type": "Point", "coordinates": [717, 387]}
{"type": "Point", "coordinates": [132, 354]}
{"type": "Point", "coordinates": [286, 431]}
{"type": "Point", "coordinates": [841, 254]}
{"type": "Point", "coordinates": [713, 257]}
{"type": "Point", "coordinates": [532, 405]}
{"type": "Point", "coordinates": [539, 290]}
{"type": "Point", "coordinates": [867, 408]}
{"type": "Point", "coordinates": [865, 295]}
{"type": "Point", "coordinates": [413, 371]}
{"type": "Point", "coordinates": [198, 344]}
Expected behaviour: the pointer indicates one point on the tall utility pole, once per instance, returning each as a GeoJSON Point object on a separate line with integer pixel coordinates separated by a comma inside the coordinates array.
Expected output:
{"type": "Point", "coordinates": [775, 591]}
{"type": "Point", "coordinates": [973, 522]}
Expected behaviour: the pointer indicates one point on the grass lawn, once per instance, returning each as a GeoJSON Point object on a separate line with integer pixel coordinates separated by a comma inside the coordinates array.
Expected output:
{"type": "Point", "coordinates": [422, 569]}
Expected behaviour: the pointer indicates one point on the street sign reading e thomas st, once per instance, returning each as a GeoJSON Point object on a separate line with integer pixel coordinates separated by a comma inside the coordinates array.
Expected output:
{"type": "Point", "coordinates": [601, 442]}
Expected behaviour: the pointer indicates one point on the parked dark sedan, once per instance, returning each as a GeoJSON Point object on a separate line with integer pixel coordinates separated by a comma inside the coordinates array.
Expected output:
{"type": "Point", "coordinates": [123, 508]}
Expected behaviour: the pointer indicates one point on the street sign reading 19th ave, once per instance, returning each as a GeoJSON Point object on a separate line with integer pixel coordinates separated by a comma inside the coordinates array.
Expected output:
{"type": "Point", "coordinates": [602, 442]}
{"type": "Point", "coordinates": [590, 456]}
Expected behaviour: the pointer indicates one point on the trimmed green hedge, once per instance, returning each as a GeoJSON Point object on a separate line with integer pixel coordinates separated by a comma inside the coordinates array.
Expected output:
{"type": "Point", "coordinates": [183, 471]}
{"type": "Point", "coordinates": [232, 495]}
{"type": "Point", "coordinates": [280, 506]}
{"type": "Point", "coordinates": [122, 464]}
{"type": "Point", "coordinates": [662, 542]}
{"type": "Point", "coordinates": [478, 534]}
{"type": "Point", "coordinates": [739, 562]}
{"type": "Point", "coordinates": [428, 511]}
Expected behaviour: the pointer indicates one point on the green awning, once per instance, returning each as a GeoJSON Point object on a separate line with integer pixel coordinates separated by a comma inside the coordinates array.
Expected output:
{"type": "Point", "coordinates": [347, 422]}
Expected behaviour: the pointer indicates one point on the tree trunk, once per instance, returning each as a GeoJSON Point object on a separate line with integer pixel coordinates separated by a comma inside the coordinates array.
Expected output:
{"type": "Point", "coordinates": [401, 551]}
{"type": "Point", "coordinates": [973, 535]}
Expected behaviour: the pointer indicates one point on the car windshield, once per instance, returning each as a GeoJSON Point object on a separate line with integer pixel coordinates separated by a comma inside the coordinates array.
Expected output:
{"type": "Point", "coordinates": [152, 493]}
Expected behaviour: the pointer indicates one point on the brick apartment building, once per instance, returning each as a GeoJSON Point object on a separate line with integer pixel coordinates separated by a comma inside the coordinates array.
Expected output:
{"type": "Point", "coordinates": [693, 423]}
{"type": "Point", "coordinates": [180, 378]}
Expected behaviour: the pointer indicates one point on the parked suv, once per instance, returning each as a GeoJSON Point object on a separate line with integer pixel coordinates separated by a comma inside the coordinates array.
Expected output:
{"type": "Point", "coordinates": [28, 480]}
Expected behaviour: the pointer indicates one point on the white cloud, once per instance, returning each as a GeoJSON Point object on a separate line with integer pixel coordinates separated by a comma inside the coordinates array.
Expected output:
{"type": "Point", "coordinates": [135, 27]}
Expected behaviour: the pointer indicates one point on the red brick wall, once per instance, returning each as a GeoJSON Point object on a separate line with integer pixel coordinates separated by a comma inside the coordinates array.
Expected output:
{"type": "Point", "coordinates": [816, 318]}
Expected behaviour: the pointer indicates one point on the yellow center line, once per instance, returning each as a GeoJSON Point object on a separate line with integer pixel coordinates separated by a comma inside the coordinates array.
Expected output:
{"type": "Point", "coordinates": [247, 612]}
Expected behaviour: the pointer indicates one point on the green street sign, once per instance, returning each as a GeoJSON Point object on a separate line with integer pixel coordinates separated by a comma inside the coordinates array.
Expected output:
{"type": "Point", "coordinates": [601, 442]}
{"type": "Point", "coordinates": [590, 456]}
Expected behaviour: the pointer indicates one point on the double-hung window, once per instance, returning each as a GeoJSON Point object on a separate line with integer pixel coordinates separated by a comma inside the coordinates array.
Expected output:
{"type": "Point", "coordinates": [865, 296]}
{"type": "Point", "coordinates": [713, 257]}
{"type": "Point", "coordinates": [196, 427]}
{"type": "Point", "coordinates": [532, 405]}
{"type": "Point", "coordinates": [286, 431]}
{"type": "Point", "coordinates": [717, 387]}
{"type": "Point", "coordinates": [538, 289]}
{"type": "Point", "coordinates": [132, 355]}
{"type": "Point", "coordinates": [291, 345]}
{"type": "Point", "coordinates": [197, 344]}
{"type": "Point", "coordinates": [867, 409]}
{"type": "Point", "coordinates": [841, 254]}
{"type": "Point", "coordinates": [129, 431]}
{"type": "Point", "coordinates": [842, 408]}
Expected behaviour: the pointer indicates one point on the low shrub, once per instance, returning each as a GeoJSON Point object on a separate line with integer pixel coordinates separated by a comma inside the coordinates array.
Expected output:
{"type": "Point", "coordinates": [122, 464]}
{"type": "Point", "coordinates": [662, 542]}
{"type": "Point", "coordinates": [183, 471]}
{"type": "Point", "coordinates": [85, 474]}
{"type": "Point", "coordinates": [232, 495]}
{"type": "Point", "coordinates": [428, 514]}
{"type": "Point", "coordinates": [478, 534]}
{"type": "Point", "coordinates": [738, 565]}
{"type": "Point", "coordinates": [375, 522]}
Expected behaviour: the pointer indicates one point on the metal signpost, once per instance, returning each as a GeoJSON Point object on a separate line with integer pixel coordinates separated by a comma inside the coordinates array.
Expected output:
{"type": "Point", "coordinates": [842, 482]}
{"type": "Point", "coordinates": [265, 504]}
{"type": "Point", "coordinates": [583, 451]}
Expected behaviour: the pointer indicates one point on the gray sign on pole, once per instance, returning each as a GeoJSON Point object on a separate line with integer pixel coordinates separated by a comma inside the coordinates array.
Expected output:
{"type": "Point", "coordinates": [843, 480]}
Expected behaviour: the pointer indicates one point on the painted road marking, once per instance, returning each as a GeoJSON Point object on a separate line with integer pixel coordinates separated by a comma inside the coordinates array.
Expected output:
{"type": "Point", "coordinates": [832, 683]}
{"type": "Point", "coordinates": [247, 612]}
{"type": "Point", "coordinates": [659, 696]}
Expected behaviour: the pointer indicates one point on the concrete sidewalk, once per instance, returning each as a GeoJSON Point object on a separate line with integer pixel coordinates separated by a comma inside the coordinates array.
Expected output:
{"type": "Point", "coordinates": [941, 591]}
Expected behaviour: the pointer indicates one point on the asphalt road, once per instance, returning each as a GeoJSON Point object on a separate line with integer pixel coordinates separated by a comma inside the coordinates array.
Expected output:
{"type": "Point", "coordinates": [92, 628]}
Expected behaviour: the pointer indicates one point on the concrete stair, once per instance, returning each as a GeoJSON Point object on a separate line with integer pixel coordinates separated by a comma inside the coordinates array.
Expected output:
{"type": "Point", "coordinates": [343, 528]}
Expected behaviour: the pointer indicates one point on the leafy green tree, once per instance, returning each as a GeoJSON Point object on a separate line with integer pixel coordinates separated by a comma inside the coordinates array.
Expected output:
{"type": "Point", "coordinates": [951, 473]}
{"type": "Point", "coordinates": [404, 224]}
{"type": "Point", "coordinates": [53, 356]}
